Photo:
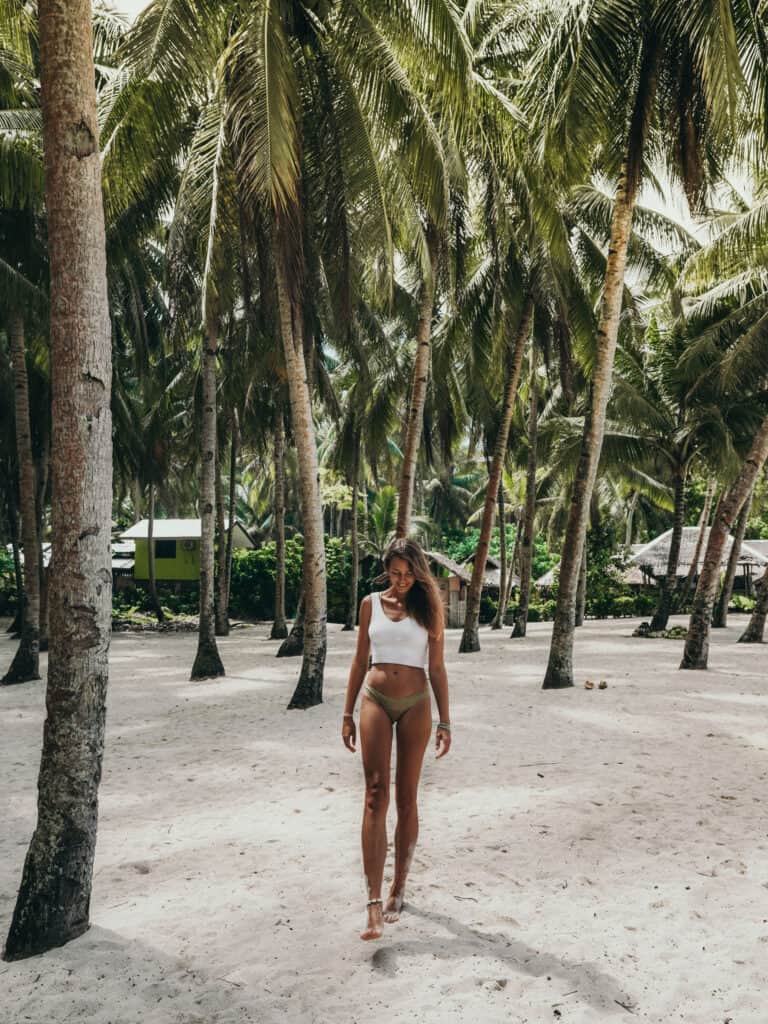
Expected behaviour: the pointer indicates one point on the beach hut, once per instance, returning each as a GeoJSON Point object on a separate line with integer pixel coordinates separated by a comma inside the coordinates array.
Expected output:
{"type": "Point", "coordinates": [177, 548]}
{"type": "Point", "coordinates": [452, 581]}
{"type": "Point", "coordinates": [652, 558]}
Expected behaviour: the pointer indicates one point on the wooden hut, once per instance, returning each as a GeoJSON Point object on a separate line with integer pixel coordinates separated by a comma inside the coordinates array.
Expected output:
{"type": "Point", "coordinates": [452, 581]}
{"type": "Point", "coordinates": [653, 557]}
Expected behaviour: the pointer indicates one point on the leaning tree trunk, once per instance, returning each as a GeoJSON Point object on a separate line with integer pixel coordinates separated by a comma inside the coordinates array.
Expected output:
{"type": "Point", "coordinates": [697, 641]}
{"type": "Point", "coordinates": [470, 640]}
{"type": "Point", "coordinates": [702, 529]}
{"type": "Point", "coordinates": [669, 585]}
{"type": "Point", "coordinates": [559, 671]}
{"type": "Point", "coordinates": [753, 634]}
{"type": "Point", "coordinates": [581, 590]}
{"type": "Point", "coordinates": [156, 606]}
{"type": "Point", "coordinates": [207, 664]}
{"type": "Point", "coordinates": [497, 619]}
{"type": "Point", "coordinates": [529, 512]}
{"type": "Point", "coordinates": [415, 420]}
{"type": "Point", "coordinates": [54, 898]}
{"type": "Point", "coordinates": [26, 662]}
{"type": "Point", "coordinates": [279, 626]}
{"type": "Point", "coordinates": [352, 606]}
{"type": "Point", "coordinates": [309, 689]}
{"type": "Point", "coordinates": [720, 614]}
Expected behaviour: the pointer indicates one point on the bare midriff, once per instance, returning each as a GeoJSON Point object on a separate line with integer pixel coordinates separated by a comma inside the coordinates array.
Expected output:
{"type": "Point", "coordinates": [394, 680]}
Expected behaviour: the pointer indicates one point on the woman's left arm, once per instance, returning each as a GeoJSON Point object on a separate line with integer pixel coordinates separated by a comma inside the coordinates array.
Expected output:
{"type": "Point", "coordinates": [438, 678]}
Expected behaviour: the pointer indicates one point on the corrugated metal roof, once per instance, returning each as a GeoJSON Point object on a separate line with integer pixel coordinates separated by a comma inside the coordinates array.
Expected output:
{"type": "Point", "coordinates": [181, 529]}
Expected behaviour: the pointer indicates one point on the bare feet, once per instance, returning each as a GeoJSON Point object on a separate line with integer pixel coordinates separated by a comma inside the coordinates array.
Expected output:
{"type": "Point", "coordinates": [375, 927]}
{"type": "Point", "coordinates": [393, 906]}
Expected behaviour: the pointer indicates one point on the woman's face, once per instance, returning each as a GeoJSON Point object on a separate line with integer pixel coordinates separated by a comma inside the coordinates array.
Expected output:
{"type": "Point", "coordinates": [401, 576]}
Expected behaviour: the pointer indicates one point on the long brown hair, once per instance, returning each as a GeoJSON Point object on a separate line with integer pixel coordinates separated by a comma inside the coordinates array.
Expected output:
{"type": "Point", "coordinates": [422, 602]}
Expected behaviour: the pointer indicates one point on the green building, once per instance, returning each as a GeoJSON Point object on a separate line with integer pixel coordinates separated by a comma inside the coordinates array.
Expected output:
{"type": "Point", "coordinates": [177, 548]}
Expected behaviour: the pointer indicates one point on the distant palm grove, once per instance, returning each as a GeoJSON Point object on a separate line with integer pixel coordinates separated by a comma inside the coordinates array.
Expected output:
{"type": "Point", "coordinates": [492, 274]}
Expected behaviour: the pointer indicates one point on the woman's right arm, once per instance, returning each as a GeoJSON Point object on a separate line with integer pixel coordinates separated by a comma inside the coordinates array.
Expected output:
{"type": "Point", "coordinates": [357, 672]}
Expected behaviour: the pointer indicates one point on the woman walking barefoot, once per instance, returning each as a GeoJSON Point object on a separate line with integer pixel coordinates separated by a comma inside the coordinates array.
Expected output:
{"type": "Point", "coordinates": [402, 631]}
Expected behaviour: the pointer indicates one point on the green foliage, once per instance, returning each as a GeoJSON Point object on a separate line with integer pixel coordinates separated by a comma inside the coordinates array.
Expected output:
{"type": "Point", "coordinates": [7, 584]}
{"type": "Point", "coordinates": [253, 580]}
{"type": "Point", "coordinates": [741, 603]}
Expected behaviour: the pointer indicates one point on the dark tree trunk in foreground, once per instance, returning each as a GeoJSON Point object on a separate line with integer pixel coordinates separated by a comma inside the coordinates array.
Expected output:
{"type": "Point", "coordinates": [529, 512]}
{"type": "Point", "coordinates": [221, 624]}
{"type": "Point", "coordinates": [498, 617]}
{"type": "Point", "coordinates": [355, 542]}
{"type": "Point", "coordinates": [156, 606]}
{"type": "Point", "coordinates": [54, 898]}
{"type": "Point", "coordinates": [279, 626]}
{"type": "Point", "coordinates": [697, 641]}
{"type": "Point", "coordinates": [669, 584]}
{"type": "Point", "coordinates": [309, 689]}
{"type": "Point", "coordinates": [207, 663]}
{"type": "Point", "coordinates": [419, 380]}
{"type": "Point", "coordinates": [755, 630]}
{"type": "Point", "coordinates": [42, 473]}
{"type": "Point", "coordinates": [581, 590]}
{"type": "Point", "coordinates": [720, 615]}
{"type": "Point", "coordinates": [26, 662]}
{"type": "Point", "coordinates": [470, 639]}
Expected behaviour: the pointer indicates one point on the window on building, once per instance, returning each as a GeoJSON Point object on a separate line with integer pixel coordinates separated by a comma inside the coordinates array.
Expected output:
{"type": "Point", "coordinates": [165, 549]}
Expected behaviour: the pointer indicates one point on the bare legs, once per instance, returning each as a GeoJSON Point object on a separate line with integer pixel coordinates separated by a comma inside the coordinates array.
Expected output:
{"type": "Point", "coordinates": [413, 732]}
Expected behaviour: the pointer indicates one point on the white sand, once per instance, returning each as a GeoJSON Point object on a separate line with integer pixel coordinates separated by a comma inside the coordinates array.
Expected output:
{"type": "Point", "coordinates": [585, 856]}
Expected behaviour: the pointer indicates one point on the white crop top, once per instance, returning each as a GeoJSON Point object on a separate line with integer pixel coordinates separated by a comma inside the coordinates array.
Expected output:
{"type": "Point", "coordinates": [404, 642]}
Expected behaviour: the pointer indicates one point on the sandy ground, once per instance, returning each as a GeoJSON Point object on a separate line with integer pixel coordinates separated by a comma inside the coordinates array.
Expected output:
{"type": "Point", "coordinates": [585, 856]}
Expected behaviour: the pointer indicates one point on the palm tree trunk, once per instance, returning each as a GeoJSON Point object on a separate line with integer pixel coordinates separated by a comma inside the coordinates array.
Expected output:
{"type": "Point", "coordinates": [702, 527]}
{"type": "Point", "coordinates": [42, 471]}
{"type": "Point", "coordinates": [13, 519]}
{"type": "Point", "coordinates": [151, 557]}
{"type": "Point", "coordinates": [234, 449]}
{"type": "Point", "coordinates": [753, 634]}
{"type": "Point", "coordinates": [309, 689]}
{"type": "Point", "coordinates": [581, 590]}
{"type": "Point", "coordinates": [26, 662]}
{"type": "Point", "coordinates": [470, 640]}
{"type": "Point", "coordinates": [54, 897]}
{"type": "Point", "coordinates": [697, 641]}
{"type": "Point", "coordinates": [352, 606]}
{"type": "Point", "coordinates": [418, 398]}
{"type": "Point", "coordinates": [207, 664]}
{"type": "Point", "coordinates": [279, 626]}
{"type": "Point", "coordinates": [221, 625]}
{"type": "Point", "coordinates": [293, 645]}
{"type": "Point", "coordinates": [559, 671]}
{"type": "Point", "coordinates": [720, 616]}
{"type": "Point", "coordinates": [630, 527]}
{"type": "Point", "coordinates": [669, 585]}
{"type": "Point", "coordinates": [496, 624]}
{"type": "Point", "coordinates": [529, 513]}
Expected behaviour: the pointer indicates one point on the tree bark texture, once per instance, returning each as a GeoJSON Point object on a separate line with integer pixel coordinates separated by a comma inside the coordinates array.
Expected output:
{"type": "Point", "coordinates": [669, 585]}
{"type": "Point", "coordinates": [720, 615]}
{"type": "Point", "coordinates": [702, 526]}
{"type": "Point", "coordinates": [54, 899]}
{"type": "Point", "coordinates": [418, 397]}
{"type": "Point", "coordinates": [529, 513]}
{"type": "Point", "coordinates": [470, 640]}
{"type": "Point", "coordinates": [207, 664]}
{"type": "Point", "coordinates": [221, 624]}
{"type": "Point", "coordinates": [26, 662]}
{"type": "Point", "coordinates": [293, 645]}
{"type": "Point", "coordinates": [755, 630]}
{"type": "Point", "coordinates": [279, 626]}
{"type": "Point", "coordinates": [355, 543]}
{"type": "Point", "coordinates": [581, 590]}
{"type": "Point", "coordinates": [309, 689]}
{"type": "Point", "coordinates": [497, 619]}
{"type": "Point", "coordinates": [158, 609]}
{"type": "Point", "coordinates": [559, 671]}
{"type": "Point", "coordinates": [697, 642]}
{"type": "Point", "coordinates": [234, 450]}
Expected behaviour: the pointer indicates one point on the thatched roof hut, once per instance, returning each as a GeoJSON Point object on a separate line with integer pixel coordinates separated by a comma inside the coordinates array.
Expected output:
{"type": "Point", "coordinates": [654, 556]}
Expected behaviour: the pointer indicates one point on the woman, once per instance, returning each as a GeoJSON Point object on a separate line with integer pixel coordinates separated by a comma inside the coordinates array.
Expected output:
{"type": "Point", "coordinates": [402, 630]}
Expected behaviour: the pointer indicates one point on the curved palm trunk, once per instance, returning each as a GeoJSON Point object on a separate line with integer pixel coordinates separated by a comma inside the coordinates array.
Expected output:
{"type": "Point", "coordinates": [309, 689]}
{"type": "Point", "coordinates": [54, 898]}
{"type": "Point", "coordinates": [753, 634]}
{"type": "Point", "coordinates": [355, 540]}
{"type": "Point", "coordinates": [26, 662]}
{"type": "Point", "coordinates": [697, 641]}
{"type": "Point", "coordinates": [470, 640]}
{"type": "Point", "coordinates": [702, 526]}
{"type": "Point", "coordinates": [560, 666]}
{"type": "Point", "coordinates": [581, 590]}
{"type": "Point", "coordinates": [207, 664]}
{"type": "Point", "coordinates": [720, 616]}
{"type": "Point", "coordinates": [496, 624]}
{"type": "Point", "coordinates": [669, 586]}
{"type": "Point", "coordinates": [158, 609]}
{"type": "Point", "coordinates": [279, 626]}
{"type": "Point", "coordinates": [529, 513]}
{"type": "Point", "coordinates": [419, 382]}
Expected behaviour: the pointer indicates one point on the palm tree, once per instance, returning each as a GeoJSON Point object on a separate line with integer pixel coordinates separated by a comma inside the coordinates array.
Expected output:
{"type": "Point", "coordinates": [753, 634]}
{"type": "Point", "coordinates": [720, 614]}
{"type": "Point", "coordinates": [54, 898]}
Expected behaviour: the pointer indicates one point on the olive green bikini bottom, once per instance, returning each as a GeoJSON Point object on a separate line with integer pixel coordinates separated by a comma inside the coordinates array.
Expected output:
{"type": "Point", "coordinates": [396, 706]}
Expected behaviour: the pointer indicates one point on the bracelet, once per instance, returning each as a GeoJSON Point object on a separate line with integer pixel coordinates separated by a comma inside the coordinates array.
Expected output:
{"type": "Point", "coordinates": [347, 714]}
{"type": "Point", "coordinates": [444, 725]}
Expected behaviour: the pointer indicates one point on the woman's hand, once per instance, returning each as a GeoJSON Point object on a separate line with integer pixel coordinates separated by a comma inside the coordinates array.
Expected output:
{"type": "Point", "coordinates": [442, 741]}
{"type": "Point", "coordinates": [349, 733]}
